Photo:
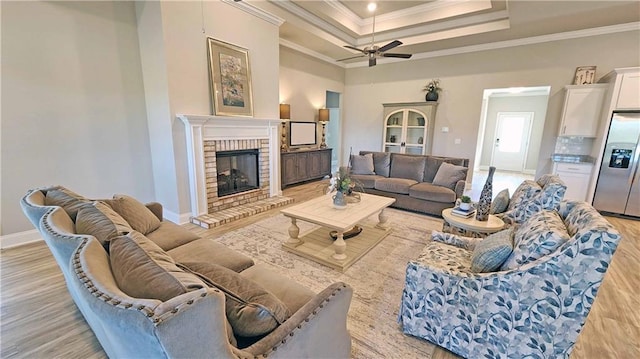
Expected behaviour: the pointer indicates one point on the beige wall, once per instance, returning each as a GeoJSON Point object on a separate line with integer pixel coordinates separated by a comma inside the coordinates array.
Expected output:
{"type": "Point", "coordinates": [304, 81]}
{"type": "Point", "coordinates": [464, 78]}
{"type": "Point", "coordinates": [73, 110]}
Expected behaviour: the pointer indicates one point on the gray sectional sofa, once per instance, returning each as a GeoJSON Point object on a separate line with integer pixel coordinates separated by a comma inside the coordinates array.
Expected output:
{"type": "Point", "coordinates": [417, 182]}
{"type": "Point", "coordinates": [150, 288]}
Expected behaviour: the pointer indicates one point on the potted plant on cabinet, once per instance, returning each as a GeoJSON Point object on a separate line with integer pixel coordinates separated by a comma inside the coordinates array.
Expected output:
{"type": "Point", "coordinates": [432, 88]}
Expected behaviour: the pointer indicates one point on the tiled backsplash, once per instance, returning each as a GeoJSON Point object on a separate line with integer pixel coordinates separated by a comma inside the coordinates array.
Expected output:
{"type": "Point", "coordinates": [574, 145]}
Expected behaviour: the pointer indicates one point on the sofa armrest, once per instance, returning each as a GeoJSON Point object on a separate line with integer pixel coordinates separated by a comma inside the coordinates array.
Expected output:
{"type": "Point", "coordinates": [467, 243]}
{"type": "Point", "coordinates": [156, 208]}
{"type": "Point", "coordinates": [459, 189]}
{"type": "Point", "coordinates": [318, 329]}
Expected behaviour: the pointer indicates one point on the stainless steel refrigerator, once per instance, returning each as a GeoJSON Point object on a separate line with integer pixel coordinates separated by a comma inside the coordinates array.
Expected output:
{"type": "Point", "coordinates": [618, 186]}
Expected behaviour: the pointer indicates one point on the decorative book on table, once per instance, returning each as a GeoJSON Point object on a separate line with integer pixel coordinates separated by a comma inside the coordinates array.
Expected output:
{"type": "Point", "coordinates": [463, 213]}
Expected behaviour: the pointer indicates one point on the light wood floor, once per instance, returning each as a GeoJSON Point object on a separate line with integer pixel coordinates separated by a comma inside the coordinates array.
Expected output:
{"type": "Point", "coordinates": [39, 319]}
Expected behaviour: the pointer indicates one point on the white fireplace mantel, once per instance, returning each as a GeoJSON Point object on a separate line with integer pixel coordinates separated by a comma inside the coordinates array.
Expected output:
{"type": "Point", "coordinates": [200, 128]}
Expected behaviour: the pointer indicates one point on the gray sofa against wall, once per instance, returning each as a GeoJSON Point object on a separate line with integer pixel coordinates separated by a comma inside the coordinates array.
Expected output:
{"type": "Point", "coordinates": [196, 323]}
{"type": "Point", "coordinates": [413, 180]}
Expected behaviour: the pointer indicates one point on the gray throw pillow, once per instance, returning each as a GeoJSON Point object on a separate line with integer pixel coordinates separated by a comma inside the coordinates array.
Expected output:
{"type": "Point", "coordinates": [408, 167]}
{"type": "Point", "coordinates": [362, 164]}
{"type": "Point", "coordinates": [139, 217]}
{"type": "Point", "coordinates": [381, 162]}
{"type": "Point", "coordinates": [501, 202]}
{"type": "Point", "coordinates": [491, 252]}
{"type": "Point", "coordinates": [251, 309]}
{"type": "Point", "coordinates": [448, 175]}
{"type": "Point", "coordinates": [102, 222]}
{"type": "Point", "coordinates": [143, 270]}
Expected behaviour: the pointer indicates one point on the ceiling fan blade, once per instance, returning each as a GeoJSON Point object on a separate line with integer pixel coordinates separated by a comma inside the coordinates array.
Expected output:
{"type": "Point", "coordinates": [389, 46]}
{"type": "Point", "coordinates": [354, 48]}
{"type": "Point", "coordinates": [352, 57]}
{"type": "Point", "coordinates": [402, 56]}
{"type": "Point", "coordinates": [372, 61]}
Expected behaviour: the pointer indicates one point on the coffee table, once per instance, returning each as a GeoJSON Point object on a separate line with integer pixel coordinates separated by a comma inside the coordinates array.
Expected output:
{"type": "Point", "coordinates": [318, 245]}
{"type": "Point", "coordinates": [470, 227]}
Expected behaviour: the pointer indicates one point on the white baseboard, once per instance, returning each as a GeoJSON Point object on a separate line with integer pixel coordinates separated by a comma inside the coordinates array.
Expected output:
{"type": "Point", "coordinates": [177, 218]}
{"type": "Point", "coordinates": [20, 238]}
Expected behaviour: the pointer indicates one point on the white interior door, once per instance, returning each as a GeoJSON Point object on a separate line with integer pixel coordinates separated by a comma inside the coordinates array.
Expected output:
{"type": "Point", "coordinates": [511, 140]}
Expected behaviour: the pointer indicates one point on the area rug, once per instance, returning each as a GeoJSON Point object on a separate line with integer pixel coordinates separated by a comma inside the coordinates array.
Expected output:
{"type": "Point", "coordinates": [377, 278]}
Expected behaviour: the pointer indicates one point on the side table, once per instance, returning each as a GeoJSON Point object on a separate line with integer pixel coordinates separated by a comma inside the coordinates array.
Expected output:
{"type": "Point", "coordinates": [470, 227]}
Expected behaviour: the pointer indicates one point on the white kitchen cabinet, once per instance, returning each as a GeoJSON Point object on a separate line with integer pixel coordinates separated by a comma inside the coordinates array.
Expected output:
{"type": "Point", "coordinates": [582, 110]}
{"type": "Point", "coordinates": [629, 95]}
{"type": "Point", "coordinates": [577, 177]}
{"type": "Point", "coordinates": [408, 127]}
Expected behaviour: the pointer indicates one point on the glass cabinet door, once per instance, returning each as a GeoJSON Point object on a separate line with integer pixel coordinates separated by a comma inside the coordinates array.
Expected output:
{"type": "Point", "coordinates": [393, 132]}
{"type": "Point", "coordinates": [414, 139]}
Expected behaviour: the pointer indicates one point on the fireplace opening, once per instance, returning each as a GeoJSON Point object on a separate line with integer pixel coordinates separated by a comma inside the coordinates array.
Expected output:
{"type": "Point", "coordinates": [238, 171]}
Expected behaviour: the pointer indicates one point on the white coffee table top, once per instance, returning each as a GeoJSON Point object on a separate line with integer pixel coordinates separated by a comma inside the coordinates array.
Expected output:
{"type": "Point", "coordinates": [320, 211]}
{"type": "Point", "coordinates": [494, 223]}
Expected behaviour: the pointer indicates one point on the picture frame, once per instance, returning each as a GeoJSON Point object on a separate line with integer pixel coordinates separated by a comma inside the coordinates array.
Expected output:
{"type": "Point", "coordinates": [230, 79]}
{"type": "Point", "coordinates": [584, 75]}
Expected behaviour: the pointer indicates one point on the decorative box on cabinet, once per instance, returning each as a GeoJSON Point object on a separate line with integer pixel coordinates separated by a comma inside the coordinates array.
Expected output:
{"type": "Point", "coordinates": [305, 165]}
{"type": "Point", "coordinates": [408, 127]}
{"type": "Point", "coordinates": [582, 110]}
{"type": "Point", "coordinates": [577, 177]}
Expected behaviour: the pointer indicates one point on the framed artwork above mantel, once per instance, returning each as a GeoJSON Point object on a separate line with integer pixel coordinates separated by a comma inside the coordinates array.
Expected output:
{"type": "Point", "coordinates": [230, 76]}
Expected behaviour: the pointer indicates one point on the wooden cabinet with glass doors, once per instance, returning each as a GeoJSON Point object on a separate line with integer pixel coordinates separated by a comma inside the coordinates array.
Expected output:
{"type": "Point", "coordinates": [408, 127]}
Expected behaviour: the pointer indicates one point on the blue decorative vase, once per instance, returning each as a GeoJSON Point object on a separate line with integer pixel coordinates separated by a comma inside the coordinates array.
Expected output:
{"type": "Point", "coordinates": [339, 201]}
{"type": "Point", "coordinates": [484, 203]}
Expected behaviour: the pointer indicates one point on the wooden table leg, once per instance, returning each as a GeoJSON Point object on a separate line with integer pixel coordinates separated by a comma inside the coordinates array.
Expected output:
{"type": "Point", "coordinates": [339, 246]}
{"type": "Point", "coordinates": [382, 220]}
{"type": "Point", "coordinates": [294, 231]}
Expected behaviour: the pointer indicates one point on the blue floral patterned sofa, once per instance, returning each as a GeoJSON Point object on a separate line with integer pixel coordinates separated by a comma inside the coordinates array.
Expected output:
{"type": "Point", "coordinates": [533, 307]}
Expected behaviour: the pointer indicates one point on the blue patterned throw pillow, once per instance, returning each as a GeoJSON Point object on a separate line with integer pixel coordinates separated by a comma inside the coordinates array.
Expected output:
{"type": "Point", "coordinates": [541, 234]}
{"type": "Point", "coordinates": [492, 251]}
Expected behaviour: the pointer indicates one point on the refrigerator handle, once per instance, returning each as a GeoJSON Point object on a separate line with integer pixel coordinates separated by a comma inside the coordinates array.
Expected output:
{"type": "Point", "coordinates": [636, 157]}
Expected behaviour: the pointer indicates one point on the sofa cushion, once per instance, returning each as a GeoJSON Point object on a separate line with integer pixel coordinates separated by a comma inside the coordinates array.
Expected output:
{"type": "Point", "coordinates": [207, 250]}
{"type": "Point", "coordinates": [394, 185]}
{"type": "Point", "coordinates": [491, 252]}
{"type": "Point", "coordinates": [381, 163]}
{"type": "Point", "coordinates": [139, 217]}
{"type": "Point", "coordinates": [362, 164]}
{"type": "Point", "coordinates": [432, 164]}
{"type": "Point", "coordinates": [170, 235]}
{"type": "Point", "coordinates": [501, 202]}
{"type": "Point", "coordinates": [366, 181]}
{"type": "Point", "coordinates": [524, 193]}
{"type": "Point", "coordinates": [144, 270]}
{"type": "Point", "coordinates": [70, 201]}
{"type": "Point", "coordinates": [409, 167]}
{"type": "Point", "coordinates": [433, 193]}
{"type": "Point", "coordinates": [541, 234]}
{"type": "Point", "coordinates": [448, 175]}
{"type": "Point", "coordinates": [102, 222]}
{"type": "Point", "coordinates": [251, 309]}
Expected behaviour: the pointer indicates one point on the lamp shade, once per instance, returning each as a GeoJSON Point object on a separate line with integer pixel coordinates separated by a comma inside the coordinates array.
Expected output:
{"type": "Point", "coordinates": [323, 115]}
{"type": "Point", "coordinates": [285, 111]}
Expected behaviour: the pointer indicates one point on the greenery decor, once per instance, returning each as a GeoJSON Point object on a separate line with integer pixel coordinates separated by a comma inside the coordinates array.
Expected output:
{"type": "Point", "coordinates": [433, 86]}
{"type": "Point", "coordinates": [465, 199]}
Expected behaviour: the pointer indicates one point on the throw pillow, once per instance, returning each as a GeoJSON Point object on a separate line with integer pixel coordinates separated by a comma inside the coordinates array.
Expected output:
{"type": "Point", "coordinates": [143, 270]}
{"type": "Point", "coordinates": [102, 222]}
{"type": "Point", "coordinates": [543, 233]}
{"type": "Point", "coordinates": [251, 309]}
{"type": "Point", "coordinates": [362, 164]}
{"type": "Point", "coordinates": [489, 253]}
{"type": "Point", "coordinates": [381, 163]}
{"type": "Point", "coordinates": [501, 202]}
{"type": "Point", "coordinates": [448, 175]}
{"type": "Point", "coordinates": [408, 167]}
{"type": "Point", "coordinates": [139, 217]}
{"type": "Point", "coordinates": [70, 201]}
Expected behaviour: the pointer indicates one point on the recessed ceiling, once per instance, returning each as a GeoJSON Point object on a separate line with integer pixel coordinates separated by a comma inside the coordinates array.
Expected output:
{"type": "Point", "coordinates": [322, 28]}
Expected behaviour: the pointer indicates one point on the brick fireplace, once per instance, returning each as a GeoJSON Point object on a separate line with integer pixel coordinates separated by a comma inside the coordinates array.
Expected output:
{"type": "Point", "coordinates": [208, 134]}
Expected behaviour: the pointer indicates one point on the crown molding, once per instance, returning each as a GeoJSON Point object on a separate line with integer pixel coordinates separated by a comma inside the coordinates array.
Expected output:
{"type": "Point", "coordinates": [255, 11]}
{"type": "Point", "coordinates": [314, 20]}
{"type": "Point", "coordinates": [317, 55]}
{"type": "Point", "coordinates": [604, 30]}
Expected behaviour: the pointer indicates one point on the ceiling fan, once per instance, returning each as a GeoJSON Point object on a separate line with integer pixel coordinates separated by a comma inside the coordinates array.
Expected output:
{"type": "Point", "coordinates": [373, 52]}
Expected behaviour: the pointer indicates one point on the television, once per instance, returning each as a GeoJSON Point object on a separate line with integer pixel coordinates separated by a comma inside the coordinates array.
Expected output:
{"type": "Point", "coordinates": [302, 134]}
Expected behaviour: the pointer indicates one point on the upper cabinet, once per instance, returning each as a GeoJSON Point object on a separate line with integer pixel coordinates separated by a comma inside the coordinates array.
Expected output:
{"type": "Point", "coordinates": [629, 94]}
{"type": "Point", "coordinates": [408, 127]}
{"type": "Point", "coordinates": [582, 109]}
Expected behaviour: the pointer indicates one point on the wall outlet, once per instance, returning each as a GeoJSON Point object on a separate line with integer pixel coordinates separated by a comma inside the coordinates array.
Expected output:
{"type": "Point", "coordinates": [445, 129]}
{"type": "Point", "coordinates": [457, 141]}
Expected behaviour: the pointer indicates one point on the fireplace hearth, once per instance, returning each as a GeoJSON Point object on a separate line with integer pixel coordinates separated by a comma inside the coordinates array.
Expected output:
{"type": "Point", "coordinates": [237, 171]}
